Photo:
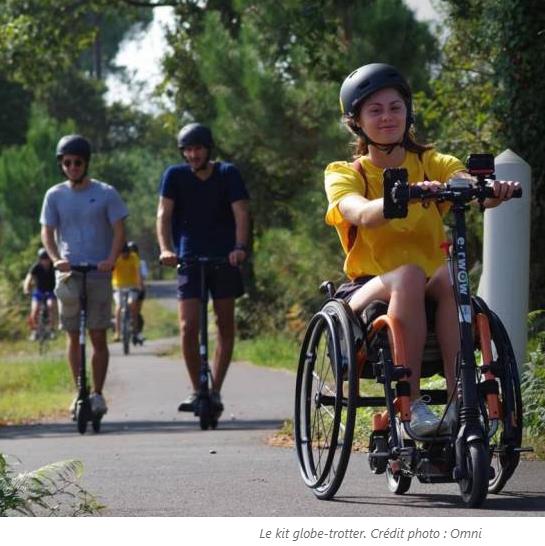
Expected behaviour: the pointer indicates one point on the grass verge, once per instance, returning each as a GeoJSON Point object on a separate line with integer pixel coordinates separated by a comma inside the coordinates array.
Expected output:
{"type": "Point", "coordinates": [159, 322]}
{"type": "Point", "coordinates": [272, 351]}
{"type": "Point", "coordinates": [34, 389]}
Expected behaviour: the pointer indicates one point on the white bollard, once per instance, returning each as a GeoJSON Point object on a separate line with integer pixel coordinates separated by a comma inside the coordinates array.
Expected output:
{"type": "Point", "coordinates": [504, 283]}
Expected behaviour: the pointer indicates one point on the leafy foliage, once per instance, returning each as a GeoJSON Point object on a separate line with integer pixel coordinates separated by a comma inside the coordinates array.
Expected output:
{"type": "Point", "coordinates": [533, 394]}
{"type": "Point", "coordinates": [51, 490]}
{"type": "Point", "coordinates": [265, 76]}
{"type": "Point", "coordinates": [493, 56]}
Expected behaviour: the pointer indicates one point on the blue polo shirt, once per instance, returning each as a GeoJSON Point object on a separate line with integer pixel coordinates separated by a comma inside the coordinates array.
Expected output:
{"type": "Point", "coordinates": [202, 220]}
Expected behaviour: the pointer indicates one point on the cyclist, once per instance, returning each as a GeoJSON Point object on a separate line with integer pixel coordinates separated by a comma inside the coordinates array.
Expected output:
{"type": "Point", "coordinates": [203, 210]}
{"type": "Point", "coordinates": [126, 275]}
{"type": "Point", "coordinates": [133, 247]}
{"type": "Point", "coordinates": [400, 260]}
{"type": "Point", "coordinates": [42, 276]}
{"type": "Point", "coordinates": [83, 222]}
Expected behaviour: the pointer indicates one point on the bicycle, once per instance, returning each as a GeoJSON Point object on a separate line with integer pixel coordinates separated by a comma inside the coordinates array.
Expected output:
{"type": "Point", "coordinates": [339, 349]}
{"type": "Point", "coordinates": [83, 412]}
{"type": "Point", "coordinates": [43, 327]}
{"type": "Point", "coordinates": [126, 319]}
{"type": "Point", "coordinates": [204, 408]}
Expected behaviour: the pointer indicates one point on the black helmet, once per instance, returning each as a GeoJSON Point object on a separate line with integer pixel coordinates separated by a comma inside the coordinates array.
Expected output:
{"type": "Point", "coordinates": [367, 79]}
{"type": "Point", "coordinates": [132, 246]}
{"type": "Point", "coordinates": [195, 134]}
{"type": "Point", "coordinates": [74, 145]}
{"type": "Point", "coordinates": [42, 254]}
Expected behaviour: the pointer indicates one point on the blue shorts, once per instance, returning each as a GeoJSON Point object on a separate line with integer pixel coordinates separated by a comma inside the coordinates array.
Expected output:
{"type": "Point", "coordinates": [40, 295]}
{"type": "Point", "coordinates": [223, 281]}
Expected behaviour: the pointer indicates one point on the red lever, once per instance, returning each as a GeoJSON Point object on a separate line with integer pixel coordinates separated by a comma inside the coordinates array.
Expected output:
{"type": "Point", "coordinates": [445, 247]}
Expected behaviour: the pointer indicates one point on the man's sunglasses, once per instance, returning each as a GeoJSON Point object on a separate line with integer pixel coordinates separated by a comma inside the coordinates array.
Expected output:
{"type": "Point", "coordinates": [68, 163]}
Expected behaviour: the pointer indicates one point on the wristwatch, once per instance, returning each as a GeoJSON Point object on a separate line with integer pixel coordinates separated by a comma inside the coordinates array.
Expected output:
{"type": "Point", "coordinates": [240, 246]}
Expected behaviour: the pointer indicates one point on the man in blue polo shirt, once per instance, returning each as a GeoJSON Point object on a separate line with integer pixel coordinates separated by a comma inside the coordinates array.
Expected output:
{"type": "Point", "coordinates": [203, 211]}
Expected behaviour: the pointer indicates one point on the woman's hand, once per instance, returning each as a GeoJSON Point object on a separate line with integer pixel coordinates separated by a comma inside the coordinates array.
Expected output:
{"type": "Point", "coordinates": [431, 186]}
{"type": "Point", "coordinates": [503, 191]}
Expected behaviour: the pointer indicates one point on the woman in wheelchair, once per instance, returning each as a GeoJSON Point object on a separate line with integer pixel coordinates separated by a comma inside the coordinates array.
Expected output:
{"type": "Point", "coordinates": [399, 261]}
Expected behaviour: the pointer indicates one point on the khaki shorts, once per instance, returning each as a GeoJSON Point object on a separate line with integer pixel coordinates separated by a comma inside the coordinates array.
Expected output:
{"type": "Point", "coordinates": [99, 300]}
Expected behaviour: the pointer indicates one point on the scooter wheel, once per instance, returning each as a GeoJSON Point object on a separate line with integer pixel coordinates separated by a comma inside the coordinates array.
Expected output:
{"type": "Point", "coordinates": [81, 418]}
{"type": "Point", "coordinates": [96, 423]}
{"type": "Point", "coordinates": [474, 487]}
{"type": "Point", "coordinates": [205, 414]}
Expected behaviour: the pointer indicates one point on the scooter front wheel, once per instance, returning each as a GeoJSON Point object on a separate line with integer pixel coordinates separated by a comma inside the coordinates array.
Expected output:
{"type": "Point", "coordinates": [205, 413]}
{"type": "Point", "coordinates": [96, 422]}
{"type": "Point", "coordinates": [474, 487]}
{"type": "Point", "coordinates": [81, 417]}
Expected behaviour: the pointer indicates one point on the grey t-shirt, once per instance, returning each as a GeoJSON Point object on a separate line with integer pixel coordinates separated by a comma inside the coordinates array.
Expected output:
{"type": "Point", "coordinates": [83, 220]}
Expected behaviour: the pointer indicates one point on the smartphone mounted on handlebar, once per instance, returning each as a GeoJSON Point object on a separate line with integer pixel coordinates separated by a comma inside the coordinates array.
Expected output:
{"type": "Point", "coordinates": [394, 204]}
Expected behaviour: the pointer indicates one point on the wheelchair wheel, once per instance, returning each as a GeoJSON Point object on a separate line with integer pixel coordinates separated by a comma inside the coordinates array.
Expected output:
{"type": "Point", "coordinates": [474, 487]}
{"type": "Point", "coordinates": [398, 483]}
{"type": "Point", "coordinates": [508, 437]}
{"type": "Point", "coordinates": [325, 402]}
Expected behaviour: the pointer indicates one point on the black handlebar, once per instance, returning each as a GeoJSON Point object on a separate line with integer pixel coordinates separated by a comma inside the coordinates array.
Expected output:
{"type": "Point", "coordinates": [203, 260]}
{"type": "Point", "coordinates": [398, 192]}
{"type": "Point", "coordinates": [83, 268]}
{"type": "Point", "coordinates": [452, 193]}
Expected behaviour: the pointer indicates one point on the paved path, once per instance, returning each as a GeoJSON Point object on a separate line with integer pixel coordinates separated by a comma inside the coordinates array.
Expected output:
{"type": "Point", "coordinates": [151, 460]}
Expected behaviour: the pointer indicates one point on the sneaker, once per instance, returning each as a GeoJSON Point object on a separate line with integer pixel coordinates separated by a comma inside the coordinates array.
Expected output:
{"type": "Point", "coordinates": [116, 339]}
{"type": "Point", "coordinates": [72, 408]}
{"type": "Point", "coordinates": [98, 404]}
{"type": "Point", "coordinates": [33, 335]}
{"type": "Point", "coordinates": [423, 421]}
{"type": "Point", "coordinates": [217, 404]}
{"type": "Point", "coordinates": [140, 339]}
{"type": "Point", "coordinates": [189, 404]}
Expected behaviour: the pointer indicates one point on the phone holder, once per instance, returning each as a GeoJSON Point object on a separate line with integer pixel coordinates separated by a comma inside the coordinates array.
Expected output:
{"type": "Point", "coordinates": [396, 193]}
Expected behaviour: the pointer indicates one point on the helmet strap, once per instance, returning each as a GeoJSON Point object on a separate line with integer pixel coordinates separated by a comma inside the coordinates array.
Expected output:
{"type": "Point", "coordinates": [386, 148]}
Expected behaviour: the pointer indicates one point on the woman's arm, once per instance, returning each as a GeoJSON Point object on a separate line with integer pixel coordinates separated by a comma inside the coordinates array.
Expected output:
{"type": "Point", "coordinates": [360, 211]}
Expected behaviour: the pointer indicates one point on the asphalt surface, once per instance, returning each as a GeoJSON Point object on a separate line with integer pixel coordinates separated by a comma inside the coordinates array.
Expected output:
{"type": "Point", "coordinates": [150, 460]}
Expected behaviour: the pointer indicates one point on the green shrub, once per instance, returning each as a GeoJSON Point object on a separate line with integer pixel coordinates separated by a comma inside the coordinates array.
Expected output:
{"type": "Point", "coordinates": [533, 394]}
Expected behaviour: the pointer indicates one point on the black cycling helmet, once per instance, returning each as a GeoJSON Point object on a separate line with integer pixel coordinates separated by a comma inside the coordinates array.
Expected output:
{"type": "Point", "coordinates": [74, 145]}
{"type": "Point", "coordinates": [195, 134]}
{"type": "Point", "coordinates": [132, 246]}
{"type": "Point", "coordinates": [42, 254]}
{"type": "Point", "coordinates": [361, 84]}
{"type": "Point", "coordinates": [367, 79]}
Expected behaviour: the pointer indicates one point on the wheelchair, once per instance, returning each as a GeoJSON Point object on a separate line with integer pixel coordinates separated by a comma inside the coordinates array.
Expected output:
{"type": "Point", "coordinates": [340, 350]}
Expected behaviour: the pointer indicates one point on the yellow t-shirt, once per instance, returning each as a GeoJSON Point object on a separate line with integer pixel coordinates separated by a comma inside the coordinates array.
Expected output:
{"type": "Point", "coordinates": [415, 239]}
{"type": "Point", "coordinates": [126, 273]}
